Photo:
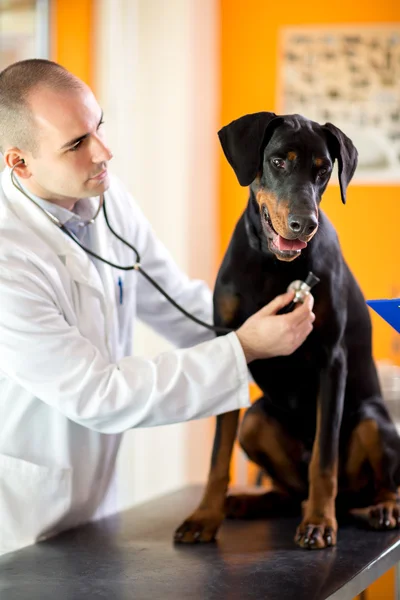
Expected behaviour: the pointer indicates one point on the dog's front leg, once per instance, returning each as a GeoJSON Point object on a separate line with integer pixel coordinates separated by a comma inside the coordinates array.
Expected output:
{"type": "Point", "coordinates": [318, 528]}
{"type": "Point", "coordinates": [204, 523]}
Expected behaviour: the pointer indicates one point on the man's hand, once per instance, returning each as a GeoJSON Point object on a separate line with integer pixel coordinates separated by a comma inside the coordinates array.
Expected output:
{"type": "Point", "coordinates": [266, 334]}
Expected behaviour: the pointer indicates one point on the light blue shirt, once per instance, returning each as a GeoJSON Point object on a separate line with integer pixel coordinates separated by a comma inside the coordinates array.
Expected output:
{"type": "Point", "coordinates": [75, 221]}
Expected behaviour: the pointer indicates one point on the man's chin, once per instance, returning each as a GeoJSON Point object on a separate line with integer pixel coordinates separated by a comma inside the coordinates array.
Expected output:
{"type": "Point", "coordinates": [98, 186]}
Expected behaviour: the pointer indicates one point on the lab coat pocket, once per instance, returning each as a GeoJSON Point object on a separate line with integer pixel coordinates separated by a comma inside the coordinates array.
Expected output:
{"type": "Point", "coordinates": [125, 297]}
{"type": "Point", "coordinates": [33, 499]}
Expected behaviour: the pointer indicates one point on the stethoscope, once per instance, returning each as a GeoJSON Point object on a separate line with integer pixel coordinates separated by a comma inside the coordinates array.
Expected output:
{"type": "Point", "coordinates": [135, 267]}
{"type": "Point", "coordinates": [301, 288]}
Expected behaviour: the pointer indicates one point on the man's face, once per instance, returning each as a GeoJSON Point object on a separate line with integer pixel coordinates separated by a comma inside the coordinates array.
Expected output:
{"type": "Point", "coordinates": [72, 156]}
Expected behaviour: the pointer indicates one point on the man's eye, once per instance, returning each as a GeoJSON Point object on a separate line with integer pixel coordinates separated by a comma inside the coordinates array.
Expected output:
{"type": "Point", "coordinates": [75, 146]}
{"type": "Point", "coordinates": [100, 124]}
{"type": "Point", "coordinates": [279, 163]}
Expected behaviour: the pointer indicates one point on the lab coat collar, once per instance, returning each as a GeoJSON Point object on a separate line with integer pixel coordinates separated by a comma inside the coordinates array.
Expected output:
{"type": "Point", "coordinates": [76, 260]}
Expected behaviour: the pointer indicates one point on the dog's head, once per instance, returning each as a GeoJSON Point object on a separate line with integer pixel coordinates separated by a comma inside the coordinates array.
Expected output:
{"type": "Point", "coordinates": [287, 161]}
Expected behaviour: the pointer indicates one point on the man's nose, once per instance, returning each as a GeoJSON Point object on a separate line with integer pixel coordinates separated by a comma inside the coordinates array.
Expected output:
{"type": "Point", "coordinates": [102, 152]}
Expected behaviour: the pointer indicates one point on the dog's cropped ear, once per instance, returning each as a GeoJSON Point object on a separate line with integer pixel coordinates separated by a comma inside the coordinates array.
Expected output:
{"type": "Point", "coordinates": [243, 142]}
{"type": "Point", "coordinates": [342, 148]}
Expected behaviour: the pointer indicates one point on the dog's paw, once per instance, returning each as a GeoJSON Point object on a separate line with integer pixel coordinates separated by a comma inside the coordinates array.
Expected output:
{"type": "Point", "coordinates": [238, 507]}
{"type": "Point", "coordinates": [381, 516]}
{"type": "Point", "coordinates": [258, 505]}
{"type": "Point", "coordinates": [201, 526]}
{"type": "Point", "coordinates": [316, 534]}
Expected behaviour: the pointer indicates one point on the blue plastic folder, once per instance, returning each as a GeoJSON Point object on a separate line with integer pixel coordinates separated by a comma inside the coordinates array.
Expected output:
{"type": "Point", "coordinates": [388, 310]}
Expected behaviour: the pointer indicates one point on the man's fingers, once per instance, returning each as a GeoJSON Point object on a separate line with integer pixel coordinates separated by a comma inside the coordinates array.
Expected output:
{"type": "Point", "coordinates": [301, 312]}
{"type": "Point", "coordinates": [302, 332]}
{"type": "Point", "coordinates": [308, 301]}
{"type": "Point", "coordinates": [277, 303]}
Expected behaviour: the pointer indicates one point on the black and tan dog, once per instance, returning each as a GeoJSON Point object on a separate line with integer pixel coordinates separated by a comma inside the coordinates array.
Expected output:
{"type": "Point", "coordinates": [321, 429]}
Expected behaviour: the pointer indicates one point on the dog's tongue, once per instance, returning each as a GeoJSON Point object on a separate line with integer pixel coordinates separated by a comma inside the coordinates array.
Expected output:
{"type": "Point", "coordinates": [284, 244]}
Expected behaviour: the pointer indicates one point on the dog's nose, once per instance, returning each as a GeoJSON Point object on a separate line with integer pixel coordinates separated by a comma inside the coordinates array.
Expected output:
{"type": "Point", "coordinates": [302, 224]}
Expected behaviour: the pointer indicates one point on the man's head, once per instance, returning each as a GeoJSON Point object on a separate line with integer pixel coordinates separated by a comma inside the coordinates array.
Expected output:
{"type": "Point", "coordinates": [51, 120]}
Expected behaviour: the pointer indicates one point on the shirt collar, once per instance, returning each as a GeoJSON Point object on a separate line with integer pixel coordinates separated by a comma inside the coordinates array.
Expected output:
{"type": "Point", "coordinates": [75, 219]}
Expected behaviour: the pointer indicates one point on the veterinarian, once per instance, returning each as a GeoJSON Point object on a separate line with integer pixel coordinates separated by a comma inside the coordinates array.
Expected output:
{"type": "Point", "coordinates": [69, 384]}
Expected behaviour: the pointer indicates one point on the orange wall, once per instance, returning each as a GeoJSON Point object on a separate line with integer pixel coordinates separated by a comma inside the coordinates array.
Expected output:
{"type": "Point", "coordinates": [368, 225]}
{"type": "Point", "coordinates": [71, 36]}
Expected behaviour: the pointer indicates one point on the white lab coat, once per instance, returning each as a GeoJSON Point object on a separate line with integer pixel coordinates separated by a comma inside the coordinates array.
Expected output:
{"type": "Point", "coordinates": [69, 385]}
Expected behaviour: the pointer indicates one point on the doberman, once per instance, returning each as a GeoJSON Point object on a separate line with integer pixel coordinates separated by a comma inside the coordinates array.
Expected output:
{"type": "Point", "coordinates": [321, 430]}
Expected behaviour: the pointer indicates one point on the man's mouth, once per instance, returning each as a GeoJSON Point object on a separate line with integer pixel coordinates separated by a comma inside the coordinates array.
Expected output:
{"type": "Point", "coordinates": [100, 175]}
{"type": "Point", "coordinates": [277, 243]}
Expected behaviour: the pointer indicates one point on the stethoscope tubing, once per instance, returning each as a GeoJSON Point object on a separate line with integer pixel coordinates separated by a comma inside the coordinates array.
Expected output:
{"type": "Point", "coordinates": [135, 267]}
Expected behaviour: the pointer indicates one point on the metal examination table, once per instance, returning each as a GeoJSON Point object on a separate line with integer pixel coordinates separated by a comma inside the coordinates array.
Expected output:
{"type": "Point", "coordinates": [131, 556]}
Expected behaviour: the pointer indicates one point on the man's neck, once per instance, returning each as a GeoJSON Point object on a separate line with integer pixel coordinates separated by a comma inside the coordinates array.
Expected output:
{"type": "Point", "coordinates": [63, 201]}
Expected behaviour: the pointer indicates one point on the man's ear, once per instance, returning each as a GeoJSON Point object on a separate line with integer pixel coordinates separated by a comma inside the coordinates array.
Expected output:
{"type": "Point", "coordinates": [243, 142]}
{"type": "Point", "coordinates": [13, 157]}
{"type": "Point", "coordinates": [342, 148]}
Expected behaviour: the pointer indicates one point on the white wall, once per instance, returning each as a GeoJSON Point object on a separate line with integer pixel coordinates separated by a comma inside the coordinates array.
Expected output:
{"type": "Point", "coordinates": [157, 75]}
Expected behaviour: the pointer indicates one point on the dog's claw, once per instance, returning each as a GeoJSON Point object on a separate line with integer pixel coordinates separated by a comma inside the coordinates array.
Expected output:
{"type": "Point", "coordinates": [328, 536]}
{"type": "Point", "coordinates": [382, 516]}
{"type": "Point", "coordinates": [315, 536]}
{"type": "Point", "coordinates": [202, 526]}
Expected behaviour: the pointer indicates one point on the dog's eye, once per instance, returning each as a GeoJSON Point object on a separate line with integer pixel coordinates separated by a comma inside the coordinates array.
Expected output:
{"type": "Point", "coordinates": [279, 163]}
{"type": "Point", "coordinates": [322, 172]}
